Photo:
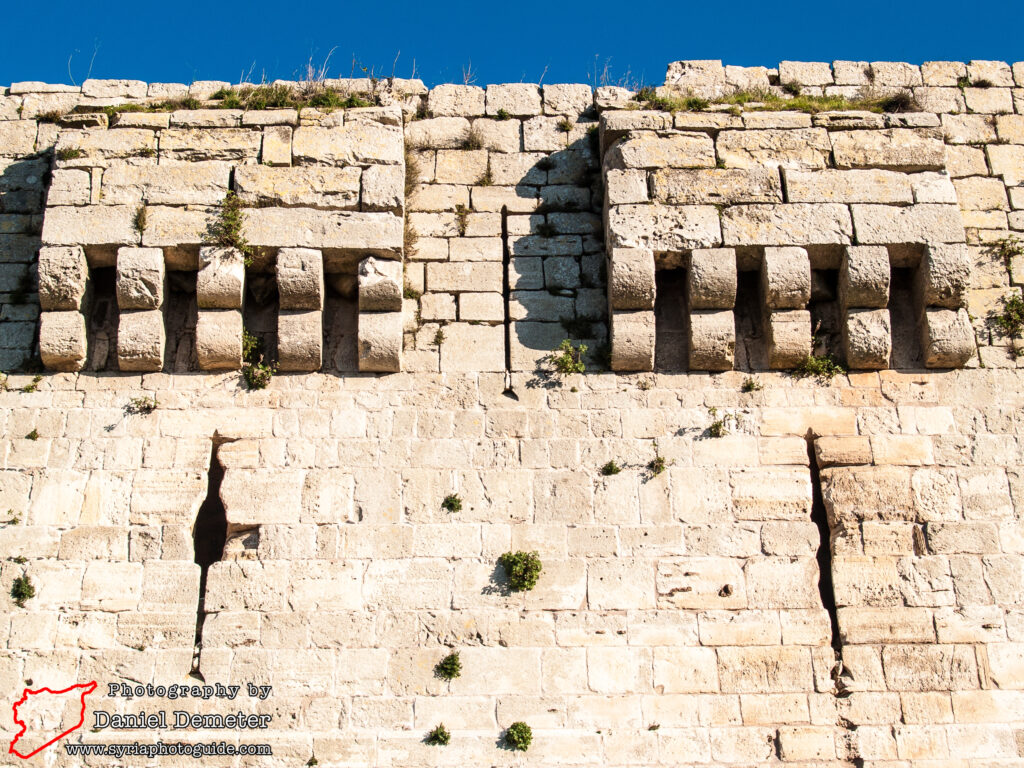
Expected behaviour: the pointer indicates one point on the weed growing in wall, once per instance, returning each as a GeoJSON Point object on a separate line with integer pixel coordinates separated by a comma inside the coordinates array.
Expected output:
{"type": "Point", "coordinates": [140, 219]}
{"type": "Point", "coordinates": [439, 737]}
{"type": "Point", "coordinates": [141, 405]}
{"type": "Point", "coordinates": [719, 427]}
{"type": "Point", "coordinates": [822, 367]}
{"type": "Point", "coordinates": [256, 372]}
{"type": "Point", "coordinates": [33, 435]}
{"type": "Point", "coordinates": [1010, 321]}
{"type": "Point", "coordinates": [33, 385]}
{"type": "Point", "coordinates": [449, 667]}
{"type": "Point", "coordinates": [522, 568]}
{"type": "Point", "coordinates": [611, 468]}
{"type": "Point", "coordinates": [225, 229]}
{"type": "Point", "coordinates": [750, 384]}
{"type": "Point", "coordinates": [518, 736]}
{"type": "Point", "coordinates": [69, 153]}
{"type": "Point", "coordinates": [461, 219]}
{"type": "Point", "coordinates": [22, 589]}
{"type": "Point", "coordinates": [568, 359]}
{"type": "Point", "coordinates": [452, 503]}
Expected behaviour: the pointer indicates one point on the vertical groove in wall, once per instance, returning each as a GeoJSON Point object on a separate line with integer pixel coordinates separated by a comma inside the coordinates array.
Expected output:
{"type": "Point", "coordinates": [208, 536]}
{"type": "Point", "coordinates": [819, 517]}
{"type": "Point", "coordinates": [506, 291]}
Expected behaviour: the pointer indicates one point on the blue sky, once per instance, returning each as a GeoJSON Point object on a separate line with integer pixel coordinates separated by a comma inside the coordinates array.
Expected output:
{"type": "Point", "coordinates": [501, 41]}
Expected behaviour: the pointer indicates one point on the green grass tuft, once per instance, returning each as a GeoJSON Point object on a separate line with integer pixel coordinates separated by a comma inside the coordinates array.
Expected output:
{"type": "Point", "coordinates": [522, 568]}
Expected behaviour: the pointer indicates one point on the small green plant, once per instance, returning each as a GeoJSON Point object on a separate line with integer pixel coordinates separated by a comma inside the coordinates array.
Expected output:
{"type": "Point", "coordinates": [250, 346]}
{"type": "Point", "coordinates": [568, 359]}
{"type": "Point", "coordinates": [449, 667]}
{"type": "Point", "coordinates": [793, 88]}
{"type": "Point", "coordinates": [69, 153]}
{"type": "Point", "coordinates": [518, 736]}
{"type": "Point", "coordinates": [258, 375]}
{"type": "Point", "coordinates": [312, 761]}
{"type": "Point", "coordinates": [225, 229]}
{"type": "Point", "coordinates": [409, 292]}
{"type": "Point", "coordinates": [141, 405]}
{"type": "Point", "coordinates": [472, 141]}
{"type": "Point", "coordinates": [452, 503]}
{"type": "Point", "coordinates": [982, 83]}
{"type": "Point", "coordinates": [439, 737]}
{"type": "Point", "coordinates": [653, 727]}
{"type": "Point", "coordinates": [33, 435]}
{"type": "Point", "coordinates": [750, 384]}
{"type": "Point", "coordinates": [22, 590]}
{"type": "Point", "coordinates": [33, 385]}
{"type": "Point", "coordinates": [140, 219]}
{"type": "Point", "coordinates": [522, 568]}
{"type": "Point", "coordinates": [146, 152]}
{"type": "Point", "coordinates": [502, 115]}
{"type": "Point", "coordinates": [439, 337]}
{"type": "Point", "coordinates": [461, 219]}
{"type": "Point", "coordinates": [1010, 321]}
{"type": "Point", "coordinates": [52, 116]}
{"type": "Point", "coordinates": [1007, 248]}
{"type": "Point", "coordinates": [964, 81]}
{"type": "Point", "coordinates": [658, 464]}
{"type": "Point", "coordinates": [644, 384]}
{"type": "Point", "coordinates": [20, 559]}
{"type": "Point", "coordinates": [899, 102]}
{"type": "Point", "coordinates": [822, 367]}
{"type": "Point", "coordinates": [13, 519]}
{"type": "Point", "coordinates": [485, 180]}
{"type": "Point", "coordinates": [565, 125]}
{"type": "Point", "coordinates": [611, 468]}
{"type": "Point", "coordinates": [719, 427]}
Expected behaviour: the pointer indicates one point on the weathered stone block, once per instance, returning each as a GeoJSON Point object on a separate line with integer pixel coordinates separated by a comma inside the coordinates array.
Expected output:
{"type": "Point", "coordinates": [947, 338]}
{"type": "Point", "coordinates": [516, 99]}
{"type": "Point", "coordinates": [69, 187]}
{"type": "Point", "coordinates": [313, 186]}
{"type": "Point", "coordinates": [450, 100]}
{"type": "Point", "coordinates": [567, 98]}
{"type": "Point", "coordinates": [220, 282]}
{"type": "Point", "coordinates": [867, 339]}
{"type": "Point", "coordinates": [864, 275]}
{"type": "Point", "coordinates": [785, 278]}
{"type": "Point", "coordinates": [383, 189]}
{"type": "Point", "coordinates": [631, 278]}
{"type": "Point", "coordinates": [1006, 160]}
{"type": "Point", "coordinates": [473, 348]}
{"type": "Point", "coordinates": [789, 337]}
{"type": "Point", "coordinates": [805, 72]}
{"type": "Point", "coordinates": [632, 340]}
{"type": "Point", "coordinates": [899, 149]}
{"type": "Point", "coordinates": [276, 149]}
{"type": "Point", "coordinates": [300, 278]}
{"type": "Point", "coordinates": [90, 225]}
{"type": "Point", "coordinates": [380, 341]}
{"type": "Point", "coordinates": [199, 183]}
{"type": "Point", "coordinates": [380, 285]}
{"type": "Point", "coordinates": [705, 77]}
{"type": "Point", "coordinates": [63, 278]}
{"type": "Point", "coordinates": [662, 150]}
{"type": "Point", "coordinates": [700, 583]}
{"type": "Point", "coordinates": [300, 340]}
{"type": "Point", "coordinates": [140, 341]}
{"type": "Point", "coordinates": [716, 186]}
{"type": "Point", "coordinates": [885, 224]}
{"type": "Point", "coordinates": [850, 186]}
{"type": "Point", "coordinates": [355, 143]}
{"type": "Point", "coordinates": [62, 340]}
{"type": "Point", "coordinates": [803, 148]}
{"type": "Point", "coordinates": [456, 277]}
{"type": "Point", "coordinates": [712, 340]}
{"type": "Point", "coordinates": [140, 278]}
{"type": "Point", "coordinates": [943, 277]}
{"type": "Point", "coordinates": [219, 339]}
{"type": "Point", "coordinates": [804, 223]}
{"type": "Point", "coordinates": [379, 234]}
{"type": "Point", "coordinates": [176, 227]}
{"type": "Point", "coordinates": [664, 227]}
{"type": "Point", "coordinates": [198, 144]}
{"type": "Point", "coordinates": [711, 279]}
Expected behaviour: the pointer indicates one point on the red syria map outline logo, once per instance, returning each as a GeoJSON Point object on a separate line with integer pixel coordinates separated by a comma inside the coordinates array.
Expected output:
{"type": "Point", "coordinates": [87, 689]}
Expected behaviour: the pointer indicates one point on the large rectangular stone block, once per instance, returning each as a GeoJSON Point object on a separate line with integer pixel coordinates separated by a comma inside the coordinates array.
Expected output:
{"type": "Point", "coordinates": [140, 278]}
{"type": "Point", "coordinates": [199, 183]}
{"type": "Point", "coordinates": [140, 340]}
{"type": "Point", "coordinates": [378, 234]}
{"type": "Point", "coordinates": [947, 338]}
{"type": "Point", "coordinates": [300, 340]}
{"type": "Point", "coordinates": [62, 340]}
{"type": "Point", "coordinates": [701, 583]}
{"type": "Point", "coordinates": [219, 339]}
{"type": "Point", "coordinates": [712, 340]}
{"type": "Point", "coordinates": [864, 275]}
{"type": "Point", "coordinates": [632, 340]}
{"type": "Point", "coordinates": [631, 278]}
{"type": "Point", "coordinates": [789, 337]}
{"type": "Point", "coordinates": [716, 186]}
{"type": "Point", "coordinates": [793, 224]}
{"type": "Point", "coordinates": [665, 149]}
{"type": "Point", "coordinates": [357, 143]}
{"type": "Point", "coordinates": [90, 225]}
{"type": "Point", "coordinates": [664, 227]}
{"type": "Point", "coordinates": [473, 348]}
{"type": "Point", "coordinates": [943, 277]}
{"type": "Point", "coordinates": [309, 186]}
{"type": "Point", "coordinates": [785, 278]}
{"type": "Point", "coordinates": [380, 341]}
{"type": "Point", "coordinates": [456, 277]}
{"type": "Point", "coordinates": [885, 224]}
{"type": "Point", "coordinates": [99, 147]}
{"type": "Point", "coordinates": [848, 186]}
{"type": "Point", "coordinates": [804, 148]}
{"type": "Point", "coordinates": [711, 279]}
{"type": "Point", "coordinates": [63, 278]}
{"type": "Point", "coordinates": [300, 278]}
{"type": "Point", "coordinates": [380, 285]}
{"type": "Point", "coordinates": [899, 149]}
{"type": "Point", "coordinates": [198, 144]}
{"type": "Point", "coordinates": [176, 227]}
{"type": "Point", "coordinates": [867, 339]}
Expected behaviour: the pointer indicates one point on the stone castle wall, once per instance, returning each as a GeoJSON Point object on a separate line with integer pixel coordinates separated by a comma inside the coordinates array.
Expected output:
{"type": "Point", "coordinates": [822, 573]}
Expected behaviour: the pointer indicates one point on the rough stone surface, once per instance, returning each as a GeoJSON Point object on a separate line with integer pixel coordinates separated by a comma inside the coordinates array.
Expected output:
{"type": "Point", "coordinates": [864, 276]}
{"type": "Point", "coordinates": [140, 341]}
{"type": "Point", "coordinates": [712, 340]}
{"type": "Point", "coordinates": [140, 278]}
{"type": "Point", "coordinates": [380, 285]}
{"type": "Point", "coordinates": [711, 279]}
{"type": "Point", "coordinates": [62, 342]}
{"type": "Point", "coordinates": [867, 339]}
{"type": "Point", "coordinates": [786, 278]}
{"type": "Point", "coordinates": [220, 282]}
{"type": "Point", "coordinates": [632, 339]}
{"type": "Point", "coordinates": [300, 278]}
{"type": "Point", "coordinates": [946, 338]}
{"type": "Point", "coordinates": [380, 341]}
{"type": "Point", "coordinates": [631, 278]}
{"type": "Point", "coordinates": [789, 337]}
{"type": "Point", "coordinates": [63, 273]}
{"type": "Point", "coordinates": [219, 339]}
{"type": "Point", "coordinates": [784, 224]}
{"type": "Point", "coordinates": [300, 340]}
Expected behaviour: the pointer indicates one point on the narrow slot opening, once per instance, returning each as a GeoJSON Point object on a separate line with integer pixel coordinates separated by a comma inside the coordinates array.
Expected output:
{"type": "Point", "coordinates": [824, 309]}
{"type": "Point", "coordinates": [906, 345]}
{"type": "Point", "coordinates": [819, 516]}
{"type": "Point", "coordinates": [259, 313]}
{"type": "Point", "coordinates": [671, 320]}
{"type": "Point", "coordinates": [341, 323]}
{"type": "Point", "coordinates": [102, 318]}
{"type": "Point", "coordinates": [181, 313]}
{"type": "Point", "coordinates": [751, 351]}
{"type": "Point", "coordinates": [208, 536]}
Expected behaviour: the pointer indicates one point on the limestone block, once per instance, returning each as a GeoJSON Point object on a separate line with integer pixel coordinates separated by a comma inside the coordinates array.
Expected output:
{"type": "Point", "coordinates": [632, 341]}
{"type": "Point", "coordinates": [516, 99]}
{"type": "Point", "coordinates": [197, 144]}
{"type": "Point", "coordinates": [482, 307]}
{"type": "Point", "coordinates": [631, 278]}
{"type": "Point", "coordinates": [895, 73]}
{"type": "Point", "coordinates": [711, 279]}
{"type": "Point", "coordinates": [943, 277]}
{"type": "Point", "coordinates": [473, 348]}
{"type": "Point", "coordinates": [804, 223]}
{"type": "Point", "coordinates": [664, 227]}
{"type": "Point", "coordinates": [199, 183]}
{"type": "Point", "coordinates": [849, 186]}
{"type": "Point", "coordinates": [789, 337]}
{"type": "Point", "coordinates": [175, 227]}
{"type": "Point", "coordinates": [62, 340]}
{"type": "Point", "coordinates": [989, 101]}
{"type": "Point", "coordinates": [380, 341]}
{"type": "Point", "coordinates": [841, 451]}
{"type": "Point", "coordinates": [355, 143]}
{"type": "Point", "coordinates": [300, 340]}
{"type": "Point", "coordinates": [704, 77]}
{"type": "Point", "coordinates": [947, 338]}
{"type": "Point", "coordinates": [450, 100]}
{"type": "Point", "coordinates": [438, 133]}
{"type": "Point", "coordinates": [700, 583]}
{"type": "Point", "coordinates": [567, 99]}
{"type": "Point", "coordinates": [715, 186]}
{"type": "Point", "coordinates": [379, 234]}
{"type": "Point", "coordinates": [456, 277]}
{"type": "Point", "coordinates": [300, 278]}
{"type": "Point", "coordinates": [140, 278]}
{"type": "Point", "coordinates": [140, 341]}
{"type": "Point", "coordinates": [69, 187]}
{"type": "Point", "coordinates": [114, 89]}
{"type": "Point", "coordinates": [746, 78]}
{"type": "Point", "coordinates": [867, 339]}
{"type": "Point", "coordinates": [786, 278]}
{"type": "Point", "coordinates": [219, 339]}
{"type": "Point", "coordinates": [885, 224]}
{"type": "Point", "coordinates": [220, 282]}
{"type": "Point", "coordinates": [1007, 160]}
{"type": "Point", "coordinates": [276, 149]}
{"type": "Point", "coordinates": [897, 149]}
{"type": "Point", "coordinates": [17, 137]}
{"type": "Point", "coordinates": [665, 149]}
{"type": "Point", "coordinates": [380, 285]}
{"type": "Point", "coordinates": [90, 225]}
{"type": "Point", "coordinates": [383, 189]}
{"type": "Point", "coordinates": [625, 186]}
{"type": "Point", "coordinates": [864, 275]}
{"type": "Point", "coordinates": [63, 278]}
{"type": "Point", "coordinates": [804, 148]}
{"type": "Point", "coordinates": [805, 72]}
{"type": "Point", "coordinates": [312, 186]}
{"type": "Point", "coordinates": [99, 147]}
{"type": "Point", "coordinates": [712, 340]}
